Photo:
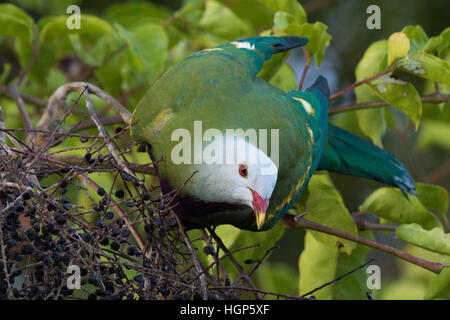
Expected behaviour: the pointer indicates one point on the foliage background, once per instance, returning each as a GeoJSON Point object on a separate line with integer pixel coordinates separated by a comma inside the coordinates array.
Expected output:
{"type": "Point", "coordinates": [124, 46]}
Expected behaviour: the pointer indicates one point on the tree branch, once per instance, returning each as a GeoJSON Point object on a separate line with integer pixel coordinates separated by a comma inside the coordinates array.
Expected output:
{"type": "Point", "coordinates": [356, 84]}
{"type": "Point", "coordinates": [298, 222]}
{"type": "Point", "coordinates": [305, 70]}
{"type": "Point", "coordinates": [234, 261]}
{"type": "Point", "coordinates": [427, 98]}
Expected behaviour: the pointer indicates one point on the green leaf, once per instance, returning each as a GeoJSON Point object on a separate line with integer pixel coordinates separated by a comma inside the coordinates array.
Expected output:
{"type": "Point", "coordinates": [277, 277]}
{"type": "Point", "coordinates": [433, 197]}
{"type": "Point", "coordinates": [317, 264]}
{"type": "Point", "coordinates": [434, 239]}
{"type": "Point", "coordinates": [426, 66]}
{"type": "Point", "coordinates": [325, 206]}
{"type": "Point", "coordinates": [373, 61]}
{"type": "Point", "coordinates": [284, 78]}
{"type": "Point", "coordinates": [371, 121]}
{"type": "Point", "coordinates": [290, 7]}
{"type": "Point", "coordinates": [260, 16]}
{"type": "Point", "coordinates": [434, 133]}
{"type": "Point", "coordinates": [417, 36]}
{"type": "Point", "coordinates": [5, 73]}
{"type": "Point", "coordinates": [401, 95]}
{"type": "Point", "coordinates": [222, 21]}
{"type": "Point", "coordinates": [318, 38]}
{"type": "Point", "coordinates": [354, 285]}
{"type": "Point", "coordinates": [439, 44]}
{"type": "Point", "coordinates": [147, 45]}
{"type": "Point", "coordinates": [390, 204]}
{"type": "Point", "coordinates": [439, 284]}
{"type": "Point", "coordinates": [55, 27]}
{"type": "Point", "coordinates": [271, 67]}
{"type": "Point", "coordinates": [14, 22]}
{"type": "Point", "coordinates": [398, 46]}
{"type": "Point", "coordinates": [131, 14]}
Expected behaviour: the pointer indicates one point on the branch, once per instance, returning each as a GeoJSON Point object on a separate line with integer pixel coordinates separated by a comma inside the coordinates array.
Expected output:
{"type": "Point", "coordinates": [23, 112]}
{"type": "Point", "coordinates": [367, 225]}
{"type": "Point", "coordinates": [195, 259]}
{"type": "Point", "coordinates": [427, 98]}
{"type": "Point", "coordinates": [234, 261]}
{"type": "Point", "coordinates": [119, 211]}
{"type": "Point", "coordinates": [356, 84]}
{"type": "Point", "coordinates": [79, 126]}
{"type": "Point", "coordinates": [105, 135]}
{"type": "Point", "coordinates": [305, 70]}
{"type": "Point", "coordinates": [6, 90]}
{"type": "Point", "coordinates": [298, 222]}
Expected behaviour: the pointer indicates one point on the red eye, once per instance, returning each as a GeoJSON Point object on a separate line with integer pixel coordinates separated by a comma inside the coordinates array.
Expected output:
{"type": "Point", "coordinates": [243, 170]}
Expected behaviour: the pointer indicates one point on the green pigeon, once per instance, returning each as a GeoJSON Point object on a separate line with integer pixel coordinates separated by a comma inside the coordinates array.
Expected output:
{"type": "Point", "coordinates": [238, 150]}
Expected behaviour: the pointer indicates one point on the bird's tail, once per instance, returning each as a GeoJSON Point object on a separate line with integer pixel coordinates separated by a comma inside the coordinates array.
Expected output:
{"type": "Point", "coordinates": [349, 154]}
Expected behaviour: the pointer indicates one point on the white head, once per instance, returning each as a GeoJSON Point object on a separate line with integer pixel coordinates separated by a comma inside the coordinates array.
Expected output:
{"type": "Point", "coordinates": [246, 176]}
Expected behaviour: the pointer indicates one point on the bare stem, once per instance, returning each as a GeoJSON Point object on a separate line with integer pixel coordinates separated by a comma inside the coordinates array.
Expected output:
{"type": "Point", "coordinates": [234, 261]}
{"type": "Point", "coordinates": [298, 222]}
{"type": "Point", "coordinates": [21, 106]}
{"type": "Point", "coordinates": [428, 98]}
{"type": "Point", "coordinates": [119, 211]}
{"type": "Point", "coordinates": [195, 259]}
{"type": "Point", "coordinates": [356, 84]}
{"type": "Point", "coordinates": [305, 70]}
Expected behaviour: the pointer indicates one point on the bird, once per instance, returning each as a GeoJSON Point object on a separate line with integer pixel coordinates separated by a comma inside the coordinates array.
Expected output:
{"type": "Point", "coordinates": [207, 124]}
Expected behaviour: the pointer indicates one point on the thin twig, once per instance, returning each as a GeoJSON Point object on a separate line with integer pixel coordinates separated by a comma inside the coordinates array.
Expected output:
{"type": "Point", "coordinates": [305, 69]}
{"type": "Point", "coordinates": [195, 258]}
{"type": "Point", "coordinates": [23, 112]}
{"type": "Point", "coordinates": [356, 84]}
{"type": "Point", "coordinates": [119, 211]}
{"type": "Point", "coordinates": [367, 225]}
{"type": "Point", "coordinates": [105, 135]}
{"type": "Point", "coordinates": [234, 261]}
{"type": "Point", "coordinates": [427, 98]}
{"type": "Point", "coordinates": [338, 278]}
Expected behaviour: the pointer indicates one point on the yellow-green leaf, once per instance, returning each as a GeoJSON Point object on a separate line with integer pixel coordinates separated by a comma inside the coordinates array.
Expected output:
{"type": "Point", "coordinates": [325, 206]}
{"type": "Point", "coordinates": [318, 37]}
{"type": "Point", "coordinates": [55, 27]}
{"type": "Point", "coordinates": [317, 264]}
{"type": "Point", "coordinates": [389, 203]}
{"type": "Point", "coordinates": [14, 22]}
{"type": "Point", "coordinates": [372, 121]}
{"type": "Point", "coordinates": [439, 284]}
{"type": "Point", "coordinates": [417, 36]}
{"type": "Point", "coordinates": [398, 46]}
{"type": "Point", "coordinates": [399, 94]}
{"type": "Point", "coordinates": [222, 21]}
{"type": "Point", "coordinates": [433, 197]}
{"type": "Point", "coordinates": [426, 66]}
{"type": "Point", "coordinates": [291, 7]}
{"type": "Point", "coordinates": [434, 133]}
{"type": "Point", "coordinates": [434, 239]}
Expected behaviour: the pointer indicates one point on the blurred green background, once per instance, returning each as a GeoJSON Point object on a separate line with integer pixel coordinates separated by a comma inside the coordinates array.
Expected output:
{"type": "Point", "coordinates": [427, 161]}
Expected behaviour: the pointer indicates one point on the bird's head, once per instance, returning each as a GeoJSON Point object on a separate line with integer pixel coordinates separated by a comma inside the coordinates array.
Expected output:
{"type": "Point", "coordinates": [247, 177]}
